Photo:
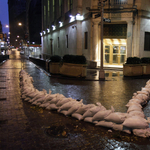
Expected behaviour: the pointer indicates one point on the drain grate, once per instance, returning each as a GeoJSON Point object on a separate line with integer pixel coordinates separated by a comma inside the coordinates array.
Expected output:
{"type": "Point", "coordinates": [2, 99]}
{"type": "Point", "coordinates": [57, 131]}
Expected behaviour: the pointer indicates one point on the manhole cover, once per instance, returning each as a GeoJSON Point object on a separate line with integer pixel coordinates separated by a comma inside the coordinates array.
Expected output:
{"type": "Point", "coordinates": [57, 131]}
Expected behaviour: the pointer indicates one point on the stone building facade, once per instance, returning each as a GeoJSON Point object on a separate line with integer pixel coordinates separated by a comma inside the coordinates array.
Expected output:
{"type": "Point", "coordinates": [74, 27]}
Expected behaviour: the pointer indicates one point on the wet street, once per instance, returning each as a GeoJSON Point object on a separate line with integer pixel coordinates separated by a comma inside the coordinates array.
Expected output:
{"type": "Point", "coordinates": [25, 126]}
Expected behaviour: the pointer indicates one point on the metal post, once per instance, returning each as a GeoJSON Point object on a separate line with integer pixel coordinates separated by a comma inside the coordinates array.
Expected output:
{"type": "Point", "coordinates": [101, 71]}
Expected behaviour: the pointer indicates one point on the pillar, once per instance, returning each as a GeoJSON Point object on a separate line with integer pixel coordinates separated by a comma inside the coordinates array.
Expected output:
{"type": "Point", "coordinates": [95, 45]}
{"type": "Point", "coordinates": [129, 38]}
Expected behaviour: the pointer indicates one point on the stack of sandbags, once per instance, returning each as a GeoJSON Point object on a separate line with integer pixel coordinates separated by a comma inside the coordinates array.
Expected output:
{"type": "Point", "coordinates": [132, 121]}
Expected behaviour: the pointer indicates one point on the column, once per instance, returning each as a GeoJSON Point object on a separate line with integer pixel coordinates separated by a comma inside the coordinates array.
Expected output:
{"type": "Point", "coordinates": [79, 38]}
{"type": "Point", "coordinates": [129, 38]}
{"type": "Point", "coordinates": [95, 41]}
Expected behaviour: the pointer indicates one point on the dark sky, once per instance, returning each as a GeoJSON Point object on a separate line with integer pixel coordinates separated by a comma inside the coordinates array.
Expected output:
{"type": "Point", "coordinates": [4, 15]}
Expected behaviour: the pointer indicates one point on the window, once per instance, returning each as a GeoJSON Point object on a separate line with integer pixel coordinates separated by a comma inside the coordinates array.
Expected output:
{"type": "Point", "coordinates": [58, 43]}
{"type": "Point", "coordinates": [48, 8]}
{"type": "Point", "coordinates": [86, 40]}
{"type": "Point", "coordinates": [60, 7]}
{"type": "Point", "coordinates": [147, 41]}
{"type": "Point", "coordinates": [54, 14]}
{"type": "Point", "coordinates": [70, 4]}
{"type": "Point", "coordinates": [67, 41]}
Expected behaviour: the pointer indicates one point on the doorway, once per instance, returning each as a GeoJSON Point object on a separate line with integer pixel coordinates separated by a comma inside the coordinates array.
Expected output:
{"type": "Point", "coordinates": [114, 52]}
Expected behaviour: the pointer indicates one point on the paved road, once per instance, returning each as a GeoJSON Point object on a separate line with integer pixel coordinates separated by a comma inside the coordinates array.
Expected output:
{"type": "Point", "coordinates": [23, 126]}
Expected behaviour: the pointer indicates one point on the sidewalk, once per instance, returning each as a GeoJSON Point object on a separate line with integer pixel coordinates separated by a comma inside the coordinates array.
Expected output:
{"type": "Point", "coordinates": [27, 127]}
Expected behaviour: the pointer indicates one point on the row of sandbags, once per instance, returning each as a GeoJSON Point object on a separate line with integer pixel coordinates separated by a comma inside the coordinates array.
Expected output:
{"type": "Point", "coordinates": [131, 121]}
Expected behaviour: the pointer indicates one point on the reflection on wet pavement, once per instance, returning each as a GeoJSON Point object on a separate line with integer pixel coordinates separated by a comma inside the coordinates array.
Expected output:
{"type": "Point", "coordinates": [115, 91]}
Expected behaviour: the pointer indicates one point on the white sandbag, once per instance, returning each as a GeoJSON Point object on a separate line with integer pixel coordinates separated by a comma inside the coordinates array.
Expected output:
{"type": "Point", "coordinates": [44, 105]}
{"type": "Point", "coordinates": [136, 113]}
{"type": "Point", "coordinates": [133, 103]}
{"type": "Point", "coordinates": [84, 108]}
{"type": "Point", "coordinates": [88, 119]}
{"type": "Point", "coordinates": [148, 82]}
{"type": "Point", "coordinates": [134, 108]}
{"type": "Point", "coordinates": [50, 97]}
{"type": "Point", "coordinates": [142, 132]}
{"type": "Point", "coordinates": [146, 89]}
{"type": "Point", "coordinates": [27, 99]}
{"type": "Point", "coordinates": [63, 101]}
{"type": "Point", "coordinates": [100, 115]}
{"type": "Point", "coordinates": [117, 127]}
{"type": "Point", "coordinates": [77, 116]}
{"type": "Point", "coordinates": [142, 97]}
{"type": "Point", "coordinates": [74, 108]}
{"type": "Point", "coordinates": [63, 112]}
{"type": "Point", "coordinates": [54, 100]}
{"type": "Point", "coordinates": [104, 124]}
{"type": "Point", "coordinates": [67, 105]}
{"type": "Point", "coordinates": [136, 122]}
{"type": "Point", "coordinates": [52, 107]}
{"type": "Point", "coordinates": [116, 117]}
{"type": "Point", "coordinates": [143, 92]}
{"type": "Point", "coordinates": [92, 111]}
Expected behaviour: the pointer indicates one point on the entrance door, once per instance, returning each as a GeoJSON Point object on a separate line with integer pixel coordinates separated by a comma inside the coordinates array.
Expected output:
{"type": "Point", "coordinates": [115, 54]}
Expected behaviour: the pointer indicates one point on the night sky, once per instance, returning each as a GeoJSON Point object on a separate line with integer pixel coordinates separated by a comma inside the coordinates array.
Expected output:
{"type": "Point", "coordinates": [4, 15]}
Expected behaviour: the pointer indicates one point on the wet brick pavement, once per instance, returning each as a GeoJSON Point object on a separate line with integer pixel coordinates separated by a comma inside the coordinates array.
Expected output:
{"type": "Point", "coordinates": [27, 127]}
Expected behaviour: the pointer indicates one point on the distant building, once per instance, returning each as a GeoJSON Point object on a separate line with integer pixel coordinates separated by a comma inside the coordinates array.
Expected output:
{"type": "Point", "coordinates": [1, 33]}
{"type": "Point", "coordinates": [68, 27]}
{"type": "Point", "coordinates": [27, 12]}
{"type": "Point", "coordinates": [17, 14]}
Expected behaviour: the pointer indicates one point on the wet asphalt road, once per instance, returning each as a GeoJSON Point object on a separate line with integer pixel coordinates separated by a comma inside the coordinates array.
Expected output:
{"type": "Point", "coordinates": [32, 131]}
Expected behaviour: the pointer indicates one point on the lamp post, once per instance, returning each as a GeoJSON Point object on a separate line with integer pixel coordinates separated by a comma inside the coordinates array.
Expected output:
{"type": "Point", "coordinates": [101, 71]}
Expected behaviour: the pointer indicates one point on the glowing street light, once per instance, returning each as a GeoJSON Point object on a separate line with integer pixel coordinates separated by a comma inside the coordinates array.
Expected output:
{"type": "Point", "coordinates": [20, 24]}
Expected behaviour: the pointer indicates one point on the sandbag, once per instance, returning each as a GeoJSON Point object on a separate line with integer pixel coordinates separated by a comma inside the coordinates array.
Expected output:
{"type": "Point", "coordinates": [84, 108]}
{"type": "Point", "coordinates": [117, 127]}
{"type": "Point", "coordinates": [133, 103]}
{"type": "Point", "coordinates": [105, 124]}
{"type": "Point", "coordinates": [52, 107]}
{"type": "Point", "coordinates": [63, 101]}
{"type": "Point", "coordinates": [74, 108]}
{"type": "Point", "coordinates": [92, 111]}
{"type": "Point", "coordinates": [142, 132]}
{"type": "Point", "coordinates": [136, 122]}
{"type": "Point", "coordinates": [77, 116]}
{"type": "Point", "coordinates": [136, 113]}
{"type": "Point", "coordinates": [44, 105]}
{"type": "Point", "coordinates": [67, 105]}
{"type": "Point", "coordinates": [100, 115]}
{"type": "Point", "coordinates": [116, 117]}
{"type": "Point", "coordinates": [134, 108]}
{"type": "Point", "coordinates": [88, 119]}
